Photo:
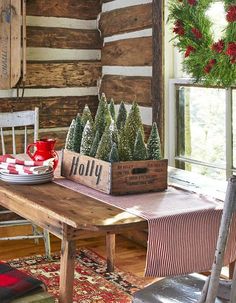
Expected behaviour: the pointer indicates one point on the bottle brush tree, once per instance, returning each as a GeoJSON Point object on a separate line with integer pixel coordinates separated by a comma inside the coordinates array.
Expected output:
{"type": "Point", "coordinates": [114, 155]}
{"type": "Point", "coordinates": [103, 117]}
{"type": "Point", "coordinates": [121, 117]}
{"type": "Point", "coordinates": [95, 144]}
{"type": "Point", "coordinates": [140, 150]}
{"type": "Point", "coordinates": [70, 136]}
{"type": "Point", "coordinates": [86, 115]}
{"type": "Point", "coordinates": [154, 144]}
{"type": "Point", "coordinates": [114, 131]}
{"type": "Point", "coordinates": [78, 130]}
{"type": "Point", "coordinates": [124, 150]}
{"type": "Point", "coordinates": [133, 124]}
{"type": "Point", "coordinates": [87, 139]}
{"type": "Point", "coordinates": [112, 109]}
{"type": "Point", "coordinates": [105, 145]}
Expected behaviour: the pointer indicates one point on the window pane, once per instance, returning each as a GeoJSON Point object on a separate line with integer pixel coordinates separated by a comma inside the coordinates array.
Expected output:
{"type": "Point", "coordinates": [201, 126]}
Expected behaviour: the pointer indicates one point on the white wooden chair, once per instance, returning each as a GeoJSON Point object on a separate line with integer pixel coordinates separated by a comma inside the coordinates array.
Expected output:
{"type": "Point", "coordinates": [197, 288]}
{"type": "Point", "coordinates": [15, 128]}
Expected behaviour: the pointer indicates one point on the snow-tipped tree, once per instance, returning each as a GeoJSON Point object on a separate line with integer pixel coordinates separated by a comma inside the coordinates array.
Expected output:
{"type": "Point", "coordinates": [70, 136]}
{"type": "Point", "coordinates": [86, 115]}
{"type": "Point", "coordinates": [87, 139]}
{"type": "Point", "coordinates": [114, 132]}
{"type": "Point", "coordinates": [124, 150]}
{"type": "Point", "coordinates": [105, 145]}
{"type": "Point", "coordinates": [112, 109]}
{"type": "Point", "coordinates": [78, 130]}
{"type": "Point", "coordinates": [103, 117]}
{"type": "Point", "coordinates": [140, 150]}
{"type": "Point", "coordinates": [121, 117]}
{"type": "Point", "coordinates": [114, 155]}
{"type": "Point", "coordinates": [133, 124]}
{"type": "Point", "coordinates": [95, 144]}
{"type": "Point", "coordinates": [154, 144]}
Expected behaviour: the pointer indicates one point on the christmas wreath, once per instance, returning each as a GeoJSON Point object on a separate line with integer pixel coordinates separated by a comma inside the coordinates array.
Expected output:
{"type": "Point", "coordinates": [207, 61]}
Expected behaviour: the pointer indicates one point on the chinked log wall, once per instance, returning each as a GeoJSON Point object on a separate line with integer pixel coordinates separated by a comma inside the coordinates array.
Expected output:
{"type": "Point", "coordinates": [127, 30]}
{"type": "Point", "coordinates": [63, 63]}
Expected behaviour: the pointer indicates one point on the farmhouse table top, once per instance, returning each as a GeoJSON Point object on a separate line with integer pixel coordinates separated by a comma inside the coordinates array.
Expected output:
{"type": "Point", "coordinates": [66, 207]}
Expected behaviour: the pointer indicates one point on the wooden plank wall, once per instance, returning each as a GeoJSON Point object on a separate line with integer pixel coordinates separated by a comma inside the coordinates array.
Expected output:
{"type": "Point", "coordinates": [126, 28]}
{"type": "Point", "coordinates": [63, 63]}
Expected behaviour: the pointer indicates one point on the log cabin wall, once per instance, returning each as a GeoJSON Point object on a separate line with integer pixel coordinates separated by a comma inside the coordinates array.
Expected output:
{"type": "Point", "coordinates": [126, 29]}
{"type": "Point", "coordinates": [63, 63]}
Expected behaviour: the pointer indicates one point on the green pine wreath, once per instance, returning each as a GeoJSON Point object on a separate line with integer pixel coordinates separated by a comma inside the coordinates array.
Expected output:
{"type": "Point", "coordinates": [207, 61]}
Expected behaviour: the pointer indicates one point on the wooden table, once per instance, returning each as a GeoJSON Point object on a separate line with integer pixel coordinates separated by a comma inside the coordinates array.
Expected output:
{"type": "Point", "coordinates": [65, 213]}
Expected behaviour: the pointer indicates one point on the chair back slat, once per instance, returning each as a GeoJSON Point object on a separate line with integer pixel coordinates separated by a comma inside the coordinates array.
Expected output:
{"type": "Point", "coordinates": [15, 130]}
{"type": "Point", "coordinates": [13, 140]}
{"type": "Point", "coordinates": [25, 141]}
{"type": "Point", "coordinates": [2, 142]}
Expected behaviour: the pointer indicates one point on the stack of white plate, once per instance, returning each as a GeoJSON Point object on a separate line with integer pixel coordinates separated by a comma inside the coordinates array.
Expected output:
{"type": "Point", "coordinates": [27, 179]}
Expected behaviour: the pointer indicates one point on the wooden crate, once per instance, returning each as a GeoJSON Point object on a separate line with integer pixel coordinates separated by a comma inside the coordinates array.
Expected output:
{"type": "Point", "coordinates": [117, 178]}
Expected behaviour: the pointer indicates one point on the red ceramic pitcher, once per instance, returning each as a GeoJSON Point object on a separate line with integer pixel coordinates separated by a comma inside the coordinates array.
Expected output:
{"type": "Point", "coordinates": [44, 150]}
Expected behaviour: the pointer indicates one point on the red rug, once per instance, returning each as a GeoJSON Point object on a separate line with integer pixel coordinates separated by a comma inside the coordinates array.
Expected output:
{"type": "Point", "coordinates": [92, 283]}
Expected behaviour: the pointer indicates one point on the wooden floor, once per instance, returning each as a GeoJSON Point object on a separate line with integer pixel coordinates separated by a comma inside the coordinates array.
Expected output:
{"type": "Point", "coordinates": [129, 256]}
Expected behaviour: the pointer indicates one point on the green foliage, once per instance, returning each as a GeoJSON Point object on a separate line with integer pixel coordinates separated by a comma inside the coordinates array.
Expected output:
{"type": "Point", "coordinates": [103, 117]}
{"type": "Point", "coordinates": [154, 144]}
{"type": "Point", "coordinates": [78, 130]}
{"type": "Point", "coordinates": [207, 62]}
{"type": "Point", "coordinates": [95, 144]}
{"type": "Point", "coordinates": [121, 117]}
{"type": "Point", "coordinates": [124, 150]}
{"type": "Point", "coordinates": [112, 109]}
{"type": "Point", "coordinates": [105, 145]}
{"type": "Point", "coordinates": [86, 115]}
{"type": "Point", "coordinates": [140, 150]}
{"type": "Point", "coordinates": [133, 124]}
{"type": "Point", "coordinates": [70, 136]}
{"type": "Point", "coordinates": [114, 132]}
{"type": "Point", "coordinates": [114, 155]}
{"type": "Point", "coordinates": [87, 139]}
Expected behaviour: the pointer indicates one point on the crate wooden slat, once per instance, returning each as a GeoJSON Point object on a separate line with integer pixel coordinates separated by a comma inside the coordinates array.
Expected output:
{"type": "Point", "coordinates": [117, 178]}
{"type": "Point", "coordinates": [10, 47]}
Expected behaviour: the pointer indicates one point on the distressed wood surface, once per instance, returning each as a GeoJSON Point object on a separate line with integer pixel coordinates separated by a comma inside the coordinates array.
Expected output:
{"type": "Point", "coordinates": [67, 269]}
{"type": "Point", "coordinates": [15, 42]}
{"type": "Point", "coordinates": [126, 19]}
{"type": "Point", "coordinates": [89, 171]}
{"type": "Point", "coordinates": [157, 86]}
{"type": "Point", "coordinates": [83, 9]}
{"type": "Point", "coordinates": [67, 74]}
{"type": "Point", "coordinates": [62, 205]}
{"type": "Point", "coordinates": [10, 37]}
{"type": "Point", "coordinates": [138, 176]}
{"type": "Point", "coordinates": [129, 52]}
{"type": "Point", "coordinates": [52, 109]}
{"type": "Point", "coordinates": [110, 251]}
{"type": "Point", "coordinates": [63, 38]}
{"type": "Point", "coordinates": [127, 88]}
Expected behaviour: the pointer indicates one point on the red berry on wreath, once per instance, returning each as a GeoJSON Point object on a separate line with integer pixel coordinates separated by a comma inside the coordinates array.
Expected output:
{"type": "Point", "coordinates": [196, 33]}
{"type": "Point", "coordinates": [231, 14]}
{"type": "Point", "coordinates": [218, 46]}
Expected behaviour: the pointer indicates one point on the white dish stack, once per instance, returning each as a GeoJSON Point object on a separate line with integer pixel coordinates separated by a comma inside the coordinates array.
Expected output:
{"type": "Point", "coordinates": [27, 179]}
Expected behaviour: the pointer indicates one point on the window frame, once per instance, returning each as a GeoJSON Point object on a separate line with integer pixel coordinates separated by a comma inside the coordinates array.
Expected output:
{"type": "Point", "coordinates": [172, 127]}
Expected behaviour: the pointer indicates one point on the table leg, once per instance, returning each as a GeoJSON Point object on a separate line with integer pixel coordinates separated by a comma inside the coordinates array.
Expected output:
{"type": "Point", "coordinates": [231, 269]}
{"type": "Point", "coordinates": [68, 250]}
{"type": "Point", "coordinates": [110, 250]}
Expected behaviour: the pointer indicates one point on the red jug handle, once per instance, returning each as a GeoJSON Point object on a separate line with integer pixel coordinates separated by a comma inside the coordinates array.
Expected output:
{"type": "Point", "coordinates": [28, 150]}
{"type": "Point", "coordinates": [56, 159]}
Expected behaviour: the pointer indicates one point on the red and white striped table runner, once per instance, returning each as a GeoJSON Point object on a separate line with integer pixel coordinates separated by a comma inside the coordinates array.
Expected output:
{"type": "Point", "coordinates": [182, 228]}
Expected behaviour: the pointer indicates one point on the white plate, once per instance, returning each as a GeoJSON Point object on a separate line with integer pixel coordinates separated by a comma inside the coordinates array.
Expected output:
{"type": "Point", "coordinates": [26, 179]}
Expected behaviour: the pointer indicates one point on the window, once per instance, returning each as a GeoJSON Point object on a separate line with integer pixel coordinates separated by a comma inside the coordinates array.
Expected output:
{"type": "Point", "coordinates": [202, 129]}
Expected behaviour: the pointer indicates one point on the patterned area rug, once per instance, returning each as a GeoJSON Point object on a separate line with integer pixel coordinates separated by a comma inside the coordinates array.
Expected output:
{"type": "Point", "coordinates": [92, 283]}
